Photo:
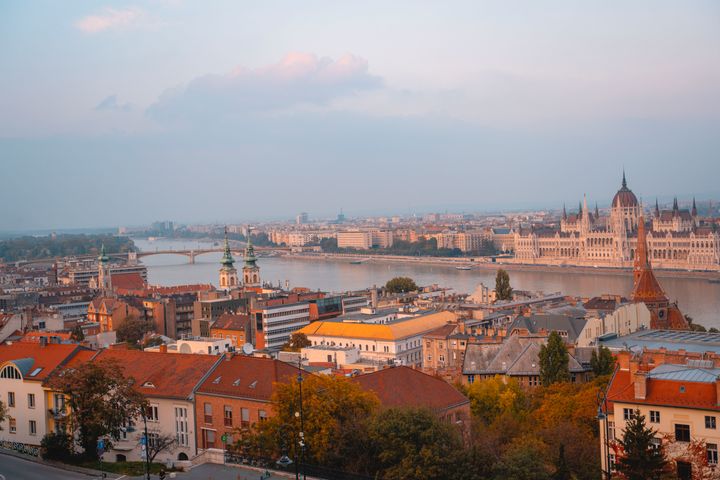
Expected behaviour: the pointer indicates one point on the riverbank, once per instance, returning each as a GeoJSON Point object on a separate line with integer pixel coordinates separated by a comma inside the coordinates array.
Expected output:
{"type": "Point", "coordinates": [474, 264]}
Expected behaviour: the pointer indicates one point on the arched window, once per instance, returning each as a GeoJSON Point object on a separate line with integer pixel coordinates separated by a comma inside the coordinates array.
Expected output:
{"type": "Point", "coordinates": [10, 372]}
{"type": "Point", "coordinates": [182, 456]}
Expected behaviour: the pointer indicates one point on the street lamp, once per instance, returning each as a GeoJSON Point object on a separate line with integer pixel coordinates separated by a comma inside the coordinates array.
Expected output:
{"type": "Point", "coordinates": [603, 418]}
{"type": "Point", "coordinates": [301, 440]}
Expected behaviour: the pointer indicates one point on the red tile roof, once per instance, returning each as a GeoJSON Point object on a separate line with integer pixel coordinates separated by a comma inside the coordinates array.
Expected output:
{"type": "Point", "coordinates": [248, 377]}
{"type": "Point", "coordinates": [229, 321]}
{"type": "Point", "coordinates": [127, 281]}
{"type": "Point", "coordinates": [47, 357]}
{"type": "Point", "coordinates": [169, 375]}
{"type": "Point", "coordinates": [663, 392]}
{"type": "Point", "coordinates": [405, 387]}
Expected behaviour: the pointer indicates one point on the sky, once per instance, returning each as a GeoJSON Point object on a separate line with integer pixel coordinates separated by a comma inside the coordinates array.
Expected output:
{"type": "Point", "coordinates": [121, 113]}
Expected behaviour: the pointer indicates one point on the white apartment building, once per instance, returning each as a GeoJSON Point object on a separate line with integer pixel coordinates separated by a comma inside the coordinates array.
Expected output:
{"type": "Point", "coordinates": [280, 321]}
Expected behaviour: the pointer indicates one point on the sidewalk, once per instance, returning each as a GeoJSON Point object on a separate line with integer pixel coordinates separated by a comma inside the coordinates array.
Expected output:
{"type": "Point", "coordinates": [60, 466]}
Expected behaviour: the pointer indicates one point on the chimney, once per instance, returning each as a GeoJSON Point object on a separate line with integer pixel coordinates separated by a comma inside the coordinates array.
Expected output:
{"type": "Point", "coordinates": [640, 383]}
{"type": "Point", "coordinates": [163, 348]}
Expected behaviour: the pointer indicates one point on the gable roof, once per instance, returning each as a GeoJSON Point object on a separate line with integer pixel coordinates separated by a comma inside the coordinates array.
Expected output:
{"type": "Point", "coordinates": [127, 281]}
{"type": "Point", "coordinates": [28, 357]}
{"type": "Point", "coordinates": [168, 375]}
{"type": "Point", "coordinates": [539, 323]}
{"type": "Point", "coordinates": [405, 387]}
{"type": "Point", "coordinates": [229, 321]}
{"type": "Point", "coordinates": [375, 331]}
{"type": "Point", "coordinates": [247, 377]}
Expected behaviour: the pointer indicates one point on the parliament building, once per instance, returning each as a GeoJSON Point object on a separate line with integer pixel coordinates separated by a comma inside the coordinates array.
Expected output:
{"type": "Point", "coordinates": [675, 238]}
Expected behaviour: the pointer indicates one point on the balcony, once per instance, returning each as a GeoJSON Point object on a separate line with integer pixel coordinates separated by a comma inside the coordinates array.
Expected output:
{"type": "Point", "coordinates": [57, 414]}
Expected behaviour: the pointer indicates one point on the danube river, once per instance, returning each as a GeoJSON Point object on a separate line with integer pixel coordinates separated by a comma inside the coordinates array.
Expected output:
{"type": "Point", "coordinates": [696, 297]}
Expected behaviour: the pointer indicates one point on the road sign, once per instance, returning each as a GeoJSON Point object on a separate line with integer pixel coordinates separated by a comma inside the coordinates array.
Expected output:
{"type": "Point", "coordinates": [101, 444]}
{"type": "Point", "coordinates": [143, 440]}
{"type": "Point", "coordinates": [224, 438]}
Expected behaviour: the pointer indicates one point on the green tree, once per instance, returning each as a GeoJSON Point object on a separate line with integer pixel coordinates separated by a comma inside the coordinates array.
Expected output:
{"type": "Point", "coordinates": [493, 397]}
{"type": "Point", "coordinates": [554, 360]}
{"type": "Point", "coordinates": [640, 460]}
{"type": "Point", "coordinates": [101, 400]}
{"type": "Point", "coordinates": [77, 334]}
{"type": "Point", "coordinates": [525, 459]}
{"type": "Point", "coordinates": [562, 469]}
{"type": "Point", "coordinates": [503, 290]}
{"type": "Point", "coordinates": [296, 342]}
{"type": "Point", "coordinates": [401, 284]}
{"type": "Point", "coordinates": [3, 413]}
{"type": "Point", "coordinates": [132, 330]}
{"type": "Point", "coordinates": [413, 444]}
{"type": "Point", "coordinates": [602, 361]}
{"type": "Point", "coordinates": [57, 446]}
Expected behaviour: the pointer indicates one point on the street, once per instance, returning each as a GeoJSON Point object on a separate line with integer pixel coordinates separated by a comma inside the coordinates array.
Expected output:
{"type": "Point", "coordinates": [14, 468]}
{"type": "Point", "coordinates": [220, 472]}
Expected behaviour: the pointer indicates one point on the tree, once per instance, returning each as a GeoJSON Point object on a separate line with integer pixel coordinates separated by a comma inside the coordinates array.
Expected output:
{"type": "Point", "coordinates": [3, 413]}
{"type": "Point", "coordinates": [525, 459]}
{"type": "Point", "coordinates": [57, 446]}
{"type": "Point", "coordinates": [132, 330]}
{"type": "Point", "coordinates": [554, 359]}
{"type": "Point", "coordinates": [332, 406]}
{"type": "Point", "coordinates": [400, 285]}
{"type": "Point", "coordinates": [101, 400]}
{"type": "Point", "coordinates": [159, 442]}
{"type": "Point", "coordinates": [296, 342]}
{"type": "Point", "coordinates": [562, 470]}
{"type": "Point", "coordinates": [493, 397]}
{"type": "Point", "coordinates": [77, 334]}
{"type": "Point", "coordinates": [503, 290]}
{"type": "Point", "coordinates": [602, 361]}
{"type": "Point", "coordinates": [413, 443]}
{"type": "Point", "coordinates": [640, 460]}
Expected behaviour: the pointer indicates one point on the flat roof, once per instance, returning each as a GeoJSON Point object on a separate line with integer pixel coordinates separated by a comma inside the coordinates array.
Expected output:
{"type": "Point", "coordinates": [670, 339]}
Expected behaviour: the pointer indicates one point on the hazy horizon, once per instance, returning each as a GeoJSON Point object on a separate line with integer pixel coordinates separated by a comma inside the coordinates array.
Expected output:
{"type": "Point", "coordinates": [123, 113]}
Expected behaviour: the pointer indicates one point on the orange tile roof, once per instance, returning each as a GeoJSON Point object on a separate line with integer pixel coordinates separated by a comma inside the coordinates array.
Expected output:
{"type": "Point", "coordinates": [375, 331]}
{"type": "Point", "coordinates": [247, 377]}
{"type": "Point", "coordinates": [168, 375]}
{"type": "Point", "coordinates": [404, 387]}
{"type": "Point", "coordinates": [229, 321]}
{"type": "Point", "coordinates": [48, 357]}
{"type": "Point", "coordinates": [127, 281]}
{"type": "Point", "coordinates": [35, 336]}
{"type": "Point", "coordinates": [663, 392]}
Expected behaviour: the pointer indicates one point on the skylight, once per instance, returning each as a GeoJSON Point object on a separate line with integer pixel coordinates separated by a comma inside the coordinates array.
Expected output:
{"type": "Point", "coordinates": [236, 382]}
{"type": "Point", "coordinates": [253, 384]}
{"type": "Point", "coordinates": [149, 385]}
{"type": "Point", "coordinates": [217, 380]}
{"type": "Point", "coordinates": [35, 372]}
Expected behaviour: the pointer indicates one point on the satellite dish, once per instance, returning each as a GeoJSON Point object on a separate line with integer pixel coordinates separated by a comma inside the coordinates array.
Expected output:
{"type": "Point", "coordinates": [248, 349]}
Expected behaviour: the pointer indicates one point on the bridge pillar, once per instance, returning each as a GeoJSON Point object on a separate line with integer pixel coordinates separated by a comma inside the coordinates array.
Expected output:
{"type": "Point", "coordinates": [192, 256]}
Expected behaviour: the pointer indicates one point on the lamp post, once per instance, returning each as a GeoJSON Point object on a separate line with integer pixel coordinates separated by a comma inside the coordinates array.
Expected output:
{"type": "Point", "coordinates": [146, 446]}
{"type": "Point", "coordinates": [602, 417]}
{"type": "Point", "coordinates": [301, 440]}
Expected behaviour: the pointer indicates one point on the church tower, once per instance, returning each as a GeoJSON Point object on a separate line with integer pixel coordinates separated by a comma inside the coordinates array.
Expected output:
{"type": "Point", "coordinates": [228, 272]}
{"type": "Point", "coordinates": [251, 272]}
{"type": "Point", "coordinates": [104, 276]}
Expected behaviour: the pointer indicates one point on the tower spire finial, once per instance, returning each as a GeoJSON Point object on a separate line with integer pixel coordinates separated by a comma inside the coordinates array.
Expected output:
{"type": "Point", "coordinates": [624, 182]}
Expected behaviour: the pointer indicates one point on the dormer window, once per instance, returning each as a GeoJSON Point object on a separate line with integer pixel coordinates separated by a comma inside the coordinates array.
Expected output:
{"type": "Point", "coordinates": [253, 384]}
{"type": "Point", "coordinates": [217, 380]}
{"type": "Point", "coordinates": [148, 385]}
{"type": "Point", "coordinates": [236, 383]}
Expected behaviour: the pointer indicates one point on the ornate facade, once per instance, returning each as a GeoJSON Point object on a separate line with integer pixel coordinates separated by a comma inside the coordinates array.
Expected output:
{"type": "Point", "coordinates": [228, 272]}
{"type": "Point", "coordinates": [676, 240]}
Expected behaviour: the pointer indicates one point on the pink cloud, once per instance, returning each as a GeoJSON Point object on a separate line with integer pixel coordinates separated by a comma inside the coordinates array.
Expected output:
{"type": "Point", "coordinates": [109, 19]}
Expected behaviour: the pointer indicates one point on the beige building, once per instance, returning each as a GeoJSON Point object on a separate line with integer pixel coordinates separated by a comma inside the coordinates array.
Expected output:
{"type": "Point", "coordinates": [628, 318]}
{"type": "Point", "coordinates": [680, 400]}
{"type": "Point", "coordinates": [676, 241]}
{"type": "Point", "coordinates": [365, 239]}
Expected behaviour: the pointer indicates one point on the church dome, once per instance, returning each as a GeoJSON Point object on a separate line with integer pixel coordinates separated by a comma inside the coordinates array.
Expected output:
{"type": "Point", "coordinates": [624, 197]}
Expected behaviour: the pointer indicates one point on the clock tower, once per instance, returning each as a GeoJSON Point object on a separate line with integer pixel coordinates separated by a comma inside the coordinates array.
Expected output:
{"type": "Point", "coordinates": [228, 272]}
{"type": "Point", "coordinates": [251, 271]}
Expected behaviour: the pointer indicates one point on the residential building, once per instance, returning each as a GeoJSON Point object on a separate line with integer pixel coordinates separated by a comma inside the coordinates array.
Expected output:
{"type": "Point", "coordinates": [235, 327]}
{"type": "Point", "coordinates": [237, 395]}
{"type": "Point", "coordinates": [110, 312]}
{"type": "Point", "coordinates": [397, 341]}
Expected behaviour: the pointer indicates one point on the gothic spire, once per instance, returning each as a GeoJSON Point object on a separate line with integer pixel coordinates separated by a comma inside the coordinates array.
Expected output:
{"type": "Point", "coordinates": [657, 208]}
{"type": "Point", "coordinates": [624, 182]}
{"type": "Point", "coordinates": [103, 258]}
{"type": "Point", "coordinates": [227, 259]}
{"type": "Point", "coordinates": [250, 260]}
{"type": "Point", "coordinates": [597, 212]}
{"type": "Point", "coordinates": [694, 209]}
{"type": "Point", "coordinates": [675, 206]}
{"type": "Point", "coordinates": [564, 215]}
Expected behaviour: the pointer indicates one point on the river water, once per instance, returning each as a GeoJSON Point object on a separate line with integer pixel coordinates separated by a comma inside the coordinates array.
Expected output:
{"type": "Point", "coordinates": [696, 297]}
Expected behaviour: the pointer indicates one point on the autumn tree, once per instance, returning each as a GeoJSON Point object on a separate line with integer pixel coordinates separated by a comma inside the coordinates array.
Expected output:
{"type": "Point", "coordinates": [132, 330]}
{"type": "Point", "coordinates": [503, 290]}
{"type": "Point", "coordinates": [640, 459]}
{"type": "Point", "coordinates": [554, 360]}
{"type": "Point", "coordinates": [413, 444]}
{"type": "Point", "coordinates": [332, 406]}
{"type": "Point", "coordinates": [3, 413]}
{"type": "Point", "coordinates": [602, 361]}
{"type": "Point", "coordinates": [101, 401]}
{"type": "Point", "coordinates": [401, 285]}
{"type": "Point", "coordinates": [77, 334]}
{"type": "Point", "coordinates": [562, 469]}
{"type": "Point", "coordinates": [296, 342]}
{"type": "Point", "coordinates": [492, 397]}
{"type": "Point", "coordinates": [525, 459]}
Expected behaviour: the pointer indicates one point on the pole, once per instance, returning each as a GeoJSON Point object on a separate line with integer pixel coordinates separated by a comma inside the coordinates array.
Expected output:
{"type": "Point", "coordinates": [147, 446]}
{"type": "Point", "coordinates": [302, 420]}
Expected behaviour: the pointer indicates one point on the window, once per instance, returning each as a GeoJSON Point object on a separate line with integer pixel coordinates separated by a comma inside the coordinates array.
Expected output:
{"type": "Point", "coordinates": [11, 399]}
{"type": "Point", "coordinates": [682, 432]}
{"type": "Point", "coordinates": [245, 417]}
{"type": "Point", "coordinates": [262, 415]}
{"type": "Point", "coordinates": [611, 457]}
{"type": "Point", "coordinates": [209, 439]}
{"type": "Point", "coordinates": [710, 422]}
{"type": "Point", "coordinates": [153, 438]}
{"type": "Point", "coordinates": [628, 414]}
{"type": "Point", "coordinates": [712, 453]}
{"type": "Point", "coordinates": [31, 400]}
{"type": "Point", "coordinates": [10, 372]}
{"type": "Point", "coordinates": [152, 413]}
{"type": "Point", "coordinates": [208, 412]}
{"type": "Point", "coordinates": [227, 415]}
{"type": "Point", "coordinates": [656, 443]}
{"type": "Point", "coordinates": [13, 425]}
{"type": "Point", "coordinates": [181, 426]}
{"type": "Point", "coordinates": [611, 430]}
{"type": "Point", "coordinates": [471, 378]}
{"type": "Point", "coordinates": [33, 430]}
{"type": "Point", "coordinates": [684, 470]}
{"type": "Point", "coordinates": [59, 402]}
{"type": "Point", "coordinates": [655, 416]}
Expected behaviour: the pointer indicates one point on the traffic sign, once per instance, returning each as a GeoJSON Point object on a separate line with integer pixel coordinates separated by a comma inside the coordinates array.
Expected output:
{"type": "Point", "coordinates": [143, 440]}
{"type": "Point", "coordinates": [224, 438]}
